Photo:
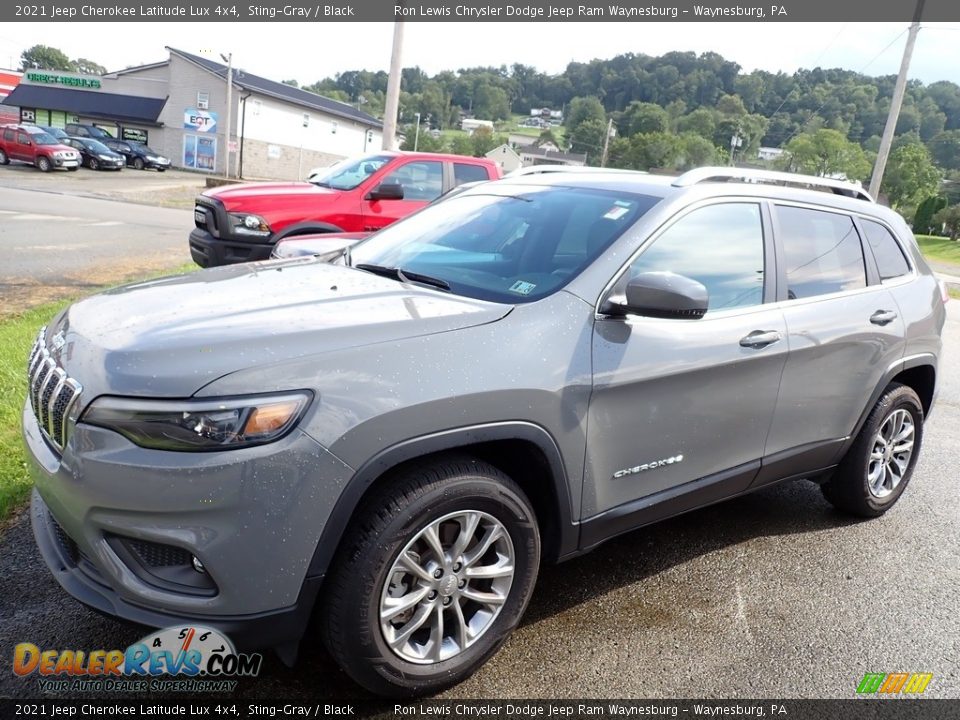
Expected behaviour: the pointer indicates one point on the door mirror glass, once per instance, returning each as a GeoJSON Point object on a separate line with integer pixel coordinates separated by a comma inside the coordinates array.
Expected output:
{"type": "Point", "coordinates": [662, 295]}
{"type": "Point", "coordinates": [386, 191]}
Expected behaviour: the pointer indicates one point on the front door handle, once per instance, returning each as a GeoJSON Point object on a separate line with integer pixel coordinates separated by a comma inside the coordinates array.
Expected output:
{"type": "Point", "coordinates": [760, 339]}
{"type": "Point", "coordinates": [883, 317]}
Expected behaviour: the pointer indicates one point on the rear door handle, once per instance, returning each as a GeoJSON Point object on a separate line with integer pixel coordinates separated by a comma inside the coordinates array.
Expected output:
{"type": "Point", "coordinates": [760, 338]}
{"type": "Point", "coordinates": [883, 317]}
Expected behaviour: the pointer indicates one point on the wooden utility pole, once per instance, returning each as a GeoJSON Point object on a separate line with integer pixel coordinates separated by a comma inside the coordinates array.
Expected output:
{"type": "Point", "coordinates": [606, 143]}
{"type": "Point", "coordinates": [896, 102]}
{"type": "Point", "coordinates": [392, 108]}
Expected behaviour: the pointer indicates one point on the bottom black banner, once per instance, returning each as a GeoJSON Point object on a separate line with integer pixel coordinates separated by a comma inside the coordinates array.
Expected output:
{"type": "Point", "coordinates": [892, 709]}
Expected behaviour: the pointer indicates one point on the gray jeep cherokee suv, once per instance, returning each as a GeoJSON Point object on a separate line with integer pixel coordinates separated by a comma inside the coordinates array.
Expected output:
{"type": "Point", "coordinates": [397, 439]}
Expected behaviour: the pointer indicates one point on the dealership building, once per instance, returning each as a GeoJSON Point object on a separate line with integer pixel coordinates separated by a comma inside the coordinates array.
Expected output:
{"type": "Point", "coordinates": [179, 108]}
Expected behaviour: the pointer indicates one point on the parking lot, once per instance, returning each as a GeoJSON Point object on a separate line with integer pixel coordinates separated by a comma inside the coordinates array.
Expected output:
{"type": "Point", "coordinates": [770, 595]}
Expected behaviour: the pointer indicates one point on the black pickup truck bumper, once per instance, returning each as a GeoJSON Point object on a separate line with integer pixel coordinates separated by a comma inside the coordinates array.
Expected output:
{"type": "Point", "coordinates": [209, 251]}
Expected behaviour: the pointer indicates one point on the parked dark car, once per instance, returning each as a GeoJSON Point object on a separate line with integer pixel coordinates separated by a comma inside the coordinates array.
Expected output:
{"type": "Point", "coordinates": [95, 155]}
{"type": "Point", "coordinates": [139, 155]}
{"type": "Point", "coordinates": [87, 131]}
{"type": "Point", "coordinates": [59, 133]}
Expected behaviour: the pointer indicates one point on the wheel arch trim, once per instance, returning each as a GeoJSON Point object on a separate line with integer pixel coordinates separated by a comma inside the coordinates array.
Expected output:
{"type": "Point", "coordinates": [457, 438]}
{"type": "Point", "coordinates": [302, 228]}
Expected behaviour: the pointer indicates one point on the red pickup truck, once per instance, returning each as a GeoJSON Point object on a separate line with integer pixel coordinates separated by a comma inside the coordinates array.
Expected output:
{"type": "Point", "coordinates": [238, 223]}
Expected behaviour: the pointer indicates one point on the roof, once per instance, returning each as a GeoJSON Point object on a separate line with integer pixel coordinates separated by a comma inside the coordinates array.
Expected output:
{"type": "Point", "coordinates": [287, 93]}
{"type": "Point", "coordinates": [128, 108]}
{"type": "Point", "coordinates": [553, 154]}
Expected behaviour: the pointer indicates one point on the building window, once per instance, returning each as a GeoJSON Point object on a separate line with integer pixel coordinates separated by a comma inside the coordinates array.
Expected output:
{"type": "Point", "coordinates": [306, 119]}
{"type": "Point", "coordinates": [333, 127]}
{"type": "Point", "coordinates": [203, 101]}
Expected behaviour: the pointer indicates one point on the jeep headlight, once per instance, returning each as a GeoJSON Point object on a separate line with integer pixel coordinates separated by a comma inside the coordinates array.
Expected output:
{"type": "Point", "coordinates": [198, 425]}
{"type": "Point", "coordinates": [246, 224]}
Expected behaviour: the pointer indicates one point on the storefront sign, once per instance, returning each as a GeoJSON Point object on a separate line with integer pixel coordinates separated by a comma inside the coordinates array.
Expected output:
{"type": "Point", "coordinates": [134, 135]}
{"type": "Point", "coordinates": [70, 81]}
{"type": "Point", "coordinates": [204, 121]}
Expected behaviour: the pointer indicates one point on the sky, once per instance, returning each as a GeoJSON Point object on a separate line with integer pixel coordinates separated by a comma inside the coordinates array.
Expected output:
{"type": "Point", "coordinates": [308, 52]}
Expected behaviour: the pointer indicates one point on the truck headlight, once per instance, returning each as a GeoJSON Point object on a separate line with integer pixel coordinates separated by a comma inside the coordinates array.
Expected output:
{"type": "Point", "coordinates": [246, 224]}
{"type": "Point", "coordinates": [198, 425]}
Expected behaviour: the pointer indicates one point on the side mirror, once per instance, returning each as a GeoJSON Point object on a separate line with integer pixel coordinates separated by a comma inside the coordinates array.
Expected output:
{"type": "Point", "coordinates": [386, 191]}
{"type": "Point", "coordinates": [662, 295]}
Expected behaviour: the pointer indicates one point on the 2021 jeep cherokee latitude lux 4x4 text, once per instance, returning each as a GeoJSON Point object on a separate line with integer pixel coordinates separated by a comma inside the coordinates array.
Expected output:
{"type": "Point", "coordinates": [396, 439]}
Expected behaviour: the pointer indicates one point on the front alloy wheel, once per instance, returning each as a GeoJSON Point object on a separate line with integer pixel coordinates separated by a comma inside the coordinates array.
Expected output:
{"type": "Point", "coordinates": [433, 575]}
{"type": "Point", "coordinates": [446, 587]}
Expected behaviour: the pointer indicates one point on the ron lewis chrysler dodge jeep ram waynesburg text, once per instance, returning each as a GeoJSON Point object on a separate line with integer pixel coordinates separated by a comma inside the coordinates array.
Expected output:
{"type": "Point", "coordinates": [397, 438]}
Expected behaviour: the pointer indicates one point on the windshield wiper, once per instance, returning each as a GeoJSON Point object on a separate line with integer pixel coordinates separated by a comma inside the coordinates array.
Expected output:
{"type": "Point", "coordinates": [402, 275]}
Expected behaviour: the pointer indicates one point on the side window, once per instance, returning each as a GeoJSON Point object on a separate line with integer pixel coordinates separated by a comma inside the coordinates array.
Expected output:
{"type": "Point", "coordinates": [23, 139]}
{"type": "Point", "coordinates": [8, 135]}
{"type": "Point", "coordinates": [720, 246]}
{"type": "Point", "coordinates": [421, 180]}
{"type": "Point", "coordinates": [890, 260]}
{"type": "Point", "coordinates": [823, 252]}
{"type": "Point", "coordinates": [464, 173]}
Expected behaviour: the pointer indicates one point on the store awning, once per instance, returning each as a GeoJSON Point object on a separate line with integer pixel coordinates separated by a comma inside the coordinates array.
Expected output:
{"type": "Point", "coordinates": [109, 106]}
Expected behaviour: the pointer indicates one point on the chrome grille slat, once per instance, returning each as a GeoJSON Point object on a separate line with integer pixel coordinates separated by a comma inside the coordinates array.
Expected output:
{"type": "Point", "coordinates": [52, 394]}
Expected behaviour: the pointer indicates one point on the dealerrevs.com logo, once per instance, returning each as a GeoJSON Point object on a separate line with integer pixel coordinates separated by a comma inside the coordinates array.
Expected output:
{"type": "Point", "coordinates": [186, 659]}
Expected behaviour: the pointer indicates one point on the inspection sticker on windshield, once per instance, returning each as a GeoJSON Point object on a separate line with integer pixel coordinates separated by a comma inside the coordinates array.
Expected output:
{"type": "Point", "coordinates": [618, 210]}
{"type": "Point", "coordinates": [524, 288]}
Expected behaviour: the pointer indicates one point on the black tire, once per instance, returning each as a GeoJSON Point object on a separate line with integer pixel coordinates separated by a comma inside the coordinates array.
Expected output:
{"type": "Point", "coordinates": [43, 162]}
{"type": "Point", "coordinates": [73, 169]}
{"type": "Point", "coordinates": [161, 169]}
{"type": "Point", "coordinates": [4, 160]}
{"type": "Point", "coordinates": [93, 164]}
{"type": "Point", "coordinates": [849, 487]}
{"type": "Point", "coordinates": [363, 572]}
{"type": "Point", "coordinates": [138, 163]}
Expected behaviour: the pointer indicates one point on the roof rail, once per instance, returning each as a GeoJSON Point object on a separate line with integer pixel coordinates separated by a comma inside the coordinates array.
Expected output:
{"type": "Point", "coordinates": [705, 174]}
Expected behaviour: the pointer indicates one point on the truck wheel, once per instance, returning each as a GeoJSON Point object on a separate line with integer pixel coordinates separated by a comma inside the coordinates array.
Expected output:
{"type": "Point", "coordinates": [43, 162]}
{"type": "Point", "coordinates": [876, 470]}
{"type": "Point", "coordinates": [4, 160]}
{"type": "Point", "coordinates": [431, 578]}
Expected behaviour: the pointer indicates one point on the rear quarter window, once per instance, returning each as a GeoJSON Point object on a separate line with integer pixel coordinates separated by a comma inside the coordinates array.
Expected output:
{"type": "Point", "coordinates": [464, 173]}
{"type": "Point", "coordinates": [891, 262]}
{"type": "Point", "coordinates": [823, 252]}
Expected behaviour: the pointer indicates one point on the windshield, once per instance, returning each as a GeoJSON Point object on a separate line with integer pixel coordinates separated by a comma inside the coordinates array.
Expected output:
{"type": "Point", "coordinates": [144, 148]}
{"type": "Point", "coordinates": [347, 174]}
{"type": "Point", "coordinates": [44, 139]}
{"type": "Point", "coordinates": [506, 248]}
{"type": "Point", "coordinates": [97, 146]}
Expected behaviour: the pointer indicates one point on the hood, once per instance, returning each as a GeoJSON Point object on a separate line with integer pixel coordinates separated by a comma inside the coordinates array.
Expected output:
{"type": "Point", "coordinates": [244, 191]}
{"type": "Point", "coordinates": [170, 337]}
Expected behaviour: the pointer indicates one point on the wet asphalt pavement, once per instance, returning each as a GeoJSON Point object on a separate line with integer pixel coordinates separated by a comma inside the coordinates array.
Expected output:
{"type": "Point", "coordinates": [771, 595]}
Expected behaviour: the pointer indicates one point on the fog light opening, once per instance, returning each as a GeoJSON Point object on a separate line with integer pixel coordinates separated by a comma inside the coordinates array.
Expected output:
{"type": "Point", "coordinates": [197, 565]}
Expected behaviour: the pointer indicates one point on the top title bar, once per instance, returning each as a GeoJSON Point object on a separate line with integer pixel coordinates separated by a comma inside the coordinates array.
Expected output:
{"type": "Point", "coordinates": [475, 11]}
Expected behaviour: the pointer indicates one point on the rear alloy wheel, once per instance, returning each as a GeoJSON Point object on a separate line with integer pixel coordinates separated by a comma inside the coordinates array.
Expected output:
{"type": "Point", "coordinates": [43, 162]}
{"type": "Point", "coordinates": [877, 468]}
{"type": "Point", "coordinates": [4, 160]}
{"type": "Point", "coordinates": [432, 578]}
{"type": "Point", "coordinates": [138, 163]}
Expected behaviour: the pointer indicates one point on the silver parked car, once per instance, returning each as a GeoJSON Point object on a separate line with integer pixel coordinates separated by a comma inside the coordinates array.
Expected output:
{"type": "Point", "coordinates": [397, 439]}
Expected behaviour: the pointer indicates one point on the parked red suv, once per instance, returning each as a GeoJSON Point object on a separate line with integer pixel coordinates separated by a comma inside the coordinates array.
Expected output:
{"type": "Point", "coordinates": [237, 223]}
{"type": "Point", "coordinates": [31, 144]}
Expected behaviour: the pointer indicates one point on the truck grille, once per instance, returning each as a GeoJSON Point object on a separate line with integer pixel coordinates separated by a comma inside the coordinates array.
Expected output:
{"type": "Point", "coordinates": [52, 393]}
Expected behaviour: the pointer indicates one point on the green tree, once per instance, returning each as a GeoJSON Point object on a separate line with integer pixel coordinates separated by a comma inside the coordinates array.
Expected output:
{"type": "Point", "coordinates": [910, 176]}
{"type": "Point", "coordinates": [461, 144]}
{"type": "Point", "coordinates": [294, 83]}
{"type": "Point", "coordinates": [424, 143]}
{"type": "Point", "coordinates": [945, 149]}
{"type": "Point", "coordinates": [88, 67]}
{"type": "Point", "coordinates": [490, 102]}
{"type": "Point", "coordinates": [45, 58]}
{"type": "Point", "coordinates": [587, 137]}
{"type": "Point", "coordinates": [697, 151]}
{"type": "Point", "coordinates": [701, 121]}
{"type": "Point", "coordinates": [582, 109]}
{"type": "Point", "coordinates": [923, 219]}
{"type": "Point", "coordinates": [949, 219]}
{"type": "Point", "coordinates": [483, 141]}
{"type": "Point", "coordinates": [826, 152]}
{"type": "Point", "coordinates": [643, 117]}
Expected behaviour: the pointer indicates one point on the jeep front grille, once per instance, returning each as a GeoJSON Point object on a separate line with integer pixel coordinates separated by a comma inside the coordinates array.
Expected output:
{"type": "Point", "coordinates": [52, 393]}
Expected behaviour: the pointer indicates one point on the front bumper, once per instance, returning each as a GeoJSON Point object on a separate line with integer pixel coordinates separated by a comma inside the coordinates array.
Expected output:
{"type": "Point", "coordinates": [62, 163]}
{"type": "Point", "coordinates": [252, 516]}
{"type": "Point", "coordinates": [209, 251]}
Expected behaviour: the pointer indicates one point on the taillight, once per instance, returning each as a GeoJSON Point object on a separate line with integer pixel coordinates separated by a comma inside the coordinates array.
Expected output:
{"type": "Point", "coordinates": [944, 292]}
